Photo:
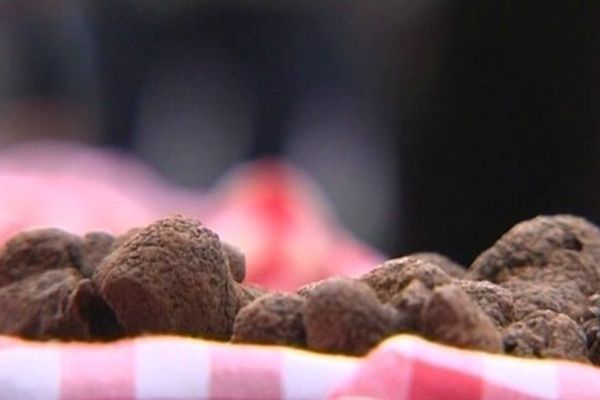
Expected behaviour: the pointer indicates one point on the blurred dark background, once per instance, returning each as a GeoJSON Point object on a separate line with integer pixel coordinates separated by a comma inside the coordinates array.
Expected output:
{"type": "Point", "coordinates": [430, 125]}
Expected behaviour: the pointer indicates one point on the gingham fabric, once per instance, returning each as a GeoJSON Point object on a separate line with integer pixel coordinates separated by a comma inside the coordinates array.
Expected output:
{"type": "Point", "coordinates": [403, 367]}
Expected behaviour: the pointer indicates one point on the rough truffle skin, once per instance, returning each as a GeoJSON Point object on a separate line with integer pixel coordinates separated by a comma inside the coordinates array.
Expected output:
{"type": "Point", "coordinates": [452, 268]}
{"type": "Point", "coordinates": [546, 334]}
{"type": "Point", "coordinates": [561, 248]}
{"type": "Point", "coordinates": [32, 252]}
{"type": "Point", "coordinates": [170, 277]}
{"type": "Point", "coordinates": [494, 300]}
{"type": "Point", "coordinates": [272, 319]}
{"type": "Point", "coordinates": [530, 296]}
{"type": "Point", "coordinates": [43, 307]}
{"type": "Point", "coordinates": [236, 261]}
{"type": "Point", "coordinates": [345, 316]}
{"type": "Point", "coordinates": [392, 276]}
{"type": "Point", "coordinates": [451, 317]}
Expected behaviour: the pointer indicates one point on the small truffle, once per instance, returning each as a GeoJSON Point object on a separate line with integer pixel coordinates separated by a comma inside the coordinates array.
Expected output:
{"type": "Point", "coordinates": [272, 319]}
{"type": "Point", "coordinates": [345, 316]}
{"type": "Point", "coordinates": [392, 276]}
{"type": "Point", "coordinates": [32, 252]}
{"type": "Point", "coordinates": [494, 300]}
{"type": "Point", "coordinates": [170, 277]}
{"type": "Point", "coordinates": [451, 317]}
{"type": "Point", "coordinates": [41, 307]}
{"type": "Point", "coordinates": [546, 334]}
{"type": "Point", "coordinates": [452, 268]}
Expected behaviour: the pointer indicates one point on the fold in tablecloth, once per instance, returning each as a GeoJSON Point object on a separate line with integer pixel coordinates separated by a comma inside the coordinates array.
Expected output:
{"type": "Point", "coordinates": [403, 367]}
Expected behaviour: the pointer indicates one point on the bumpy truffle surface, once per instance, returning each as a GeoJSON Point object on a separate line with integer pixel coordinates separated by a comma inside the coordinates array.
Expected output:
{"type": "Point", "coordinates": [494, 300]}
{"type": "Point", "coordinates": [32, 252]}
{"type": "Point", "coordinates": [546, 334]}
{"type": "Point", "coordinates": [452, 318]}
{"type": "Point", "coordinates": [272, 319]}
{"type": "Point", "coordinates": [345, 316]}
{"type": "Point", "coordinates": [556, 249]}
{"type": "Point", "coordinates": [530, 296]}
{"type": "Point", "coordinates": [392, 276]}
{"type": "Point", "coordinates": [451, 267]}
{"type": "Point", "coordinates": [42, 307]}
{"type": "Point", "coordinates": [170, 277]}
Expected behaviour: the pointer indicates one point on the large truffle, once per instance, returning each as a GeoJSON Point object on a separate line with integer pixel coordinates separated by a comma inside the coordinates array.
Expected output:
{"type": "Point", "coordinates": [271, 319]}
{"type": "Point", "coordinates": [32, 252]}
{"type": "Point", "coordinates": [552, 249]}
{"type": "Point", "coordinates": [345, 316]}
{"type": "Point", "coordinates": [451, 317]}
{"type": "Point", "coordinates": [55, 304]}
{"type": "Point", "coordinates": [546, 334]}
{"type": "Point", "coordinates": [392, 276]}
{"type": "Point", "coordinates": [170, 277]}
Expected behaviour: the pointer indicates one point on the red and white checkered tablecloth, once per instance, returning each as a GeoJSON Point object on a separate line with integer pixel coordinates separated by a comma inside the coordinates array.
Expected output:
{"type": "Point", "coordinates": [404, 367]}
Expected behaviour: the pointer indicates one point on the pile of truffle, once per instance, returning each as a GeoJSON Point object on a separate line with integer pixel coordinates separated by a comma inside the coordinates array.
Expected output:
{"type": "Point", "coordinates": [534, 293]}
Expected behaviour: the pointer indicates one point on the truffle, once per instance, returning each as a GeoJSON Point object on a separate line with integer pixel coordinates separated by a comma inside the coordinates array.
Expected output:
{"type": "Point", "coordinates": [546, 334]}
{"type": "Point", "coordinates": [170, 277]}
{"type": "Point", "coordinates": [495, 301]}
{"type": "Point", "coordinates": [449, 266]}
{"type": "Point", "coordinates": [553, 249]}
{"type": "Point", "coordinates": [392, 276]}
{"type": "Point", "coordinates": [32, 252]}
{"type": "Point", "coordinates": [42, 306]}
{"type": "Point", "coordinates": [345, 316]}
{"type": "Point", "coordinates": [272, 319]}
{"type": "Point", "coordinates": [451, 317]}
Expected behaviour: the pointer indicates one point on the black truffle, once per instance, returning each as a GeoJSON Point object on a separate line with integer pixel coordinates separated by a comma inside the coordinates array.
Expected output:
{"type": "Point", "coordinates": [32, 252]}
{"type": "Point", "coordinates": [170, 277]}
{"type": "Point", "coordinates": [345, 316]}
{"type": "Point", "coordinates": [451, 317]}
{"type": "Point", "coordinates": [272, 319]}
